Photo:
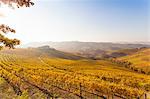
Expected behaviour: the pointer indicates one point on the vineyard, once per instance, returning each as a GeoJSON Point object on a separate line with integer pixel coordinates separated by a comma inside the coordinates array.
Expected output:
{"type": "Point", "coordinates": [140, 61]}
{"type": "Point", "coordinates": [42, 77]}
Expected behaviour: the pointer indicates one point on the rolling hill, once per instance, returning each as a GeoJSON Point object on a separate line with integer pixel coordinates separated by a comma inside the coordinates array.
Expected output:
{"type": "Point", "coordinates": [140, 59]}
{"type": "Point", "coordinates": [44, 73]}
{"type": "Point", "coordinates": [88, 49]}
{"type": "Point", "coordinates": [76, 46]}
{"type": "Point", "coordinates": [121, 52]}
{"type": "Point", "coordinates": [41, 51]}
{"type": "Point", "coordinates": [32, 73]}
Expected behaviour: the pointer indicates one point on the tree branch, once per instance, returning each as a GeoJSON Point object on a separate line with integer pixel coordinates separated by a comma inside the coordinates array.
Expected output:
{"type": "Point", "coordinates": [18, 3]}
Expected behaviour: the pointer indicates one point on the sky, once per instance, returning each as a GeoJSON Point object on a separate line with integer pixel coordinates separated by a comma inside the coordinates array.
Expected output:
{"type": "Point", "coordinates": [80, 20]}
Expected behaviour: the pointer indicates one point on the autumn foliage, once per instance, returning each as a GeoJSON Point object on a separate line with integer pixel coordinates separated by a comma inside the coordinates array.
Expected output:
{"type": "Point", "coordinates": [18, 3]}
{"type": "Point", "coordinates": [4, 29]}
{"type": "Point", "coordinates": [6, 41]}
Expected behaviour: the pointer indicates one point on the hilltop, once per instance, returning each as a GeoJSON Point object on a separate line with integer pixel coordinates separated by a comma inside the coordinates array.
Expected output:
{"type": "Point", "coordinates": [76, 46]}
{"type": "Point", "coordinates": [140, 60]}
{"type": "Point", "coordinates": [88, 49]}
{"type": "Point", "coordinates": [41, 51]}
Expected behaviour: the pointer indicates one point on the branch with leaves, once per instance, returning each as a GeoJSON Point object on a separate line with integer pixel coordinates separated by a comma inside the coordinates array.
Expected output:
{"type": "Point", "coordinates": [4, 41]}
{"type": "Point", "coordinates": [4, 29]}
{"type": "Point", "coordinates": [18, 3]}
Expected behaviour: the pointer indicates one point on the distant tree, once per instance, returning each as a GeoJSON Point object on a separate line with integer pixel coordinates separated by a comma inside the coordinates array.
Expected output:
{"type": "Point", "coordinates": [4, 29]}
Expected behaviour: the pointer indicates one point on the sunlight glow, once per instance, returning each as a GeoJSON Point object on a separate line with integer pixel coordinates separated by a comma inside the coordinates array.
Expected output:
{"type": "Point", "coordinates": [63, 21]}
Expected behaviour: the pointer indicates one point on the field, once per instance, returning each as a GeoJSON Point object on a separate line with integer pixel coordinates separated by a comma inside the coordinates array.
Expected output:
{"type": "Point", "coordinates": [140, 60]}
{"type": "Point", "coordinates": [35, 74]}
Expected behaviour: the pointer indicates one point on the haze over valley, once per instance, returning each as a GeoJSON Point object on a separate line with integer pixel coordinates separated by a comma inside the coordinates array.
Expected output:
{"type": "Point", "coordinates": [74, 49]}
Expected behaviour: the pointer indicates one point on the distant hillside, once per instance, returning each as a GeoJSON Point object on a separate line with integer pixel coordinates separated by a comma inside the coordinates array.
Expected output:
{"type": "Point", "coordinates": [122, 52]}
{"type": "Point", "coordinates": [140, 59]}
{"type": "Point", "coordinates": [88, 49]}
{"type": "Point", "coordinates": [41, 51]}
{"type": "Point", "coordinates": [75, 46]}
{"type": "Point", "coordinates": [51, 52]}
